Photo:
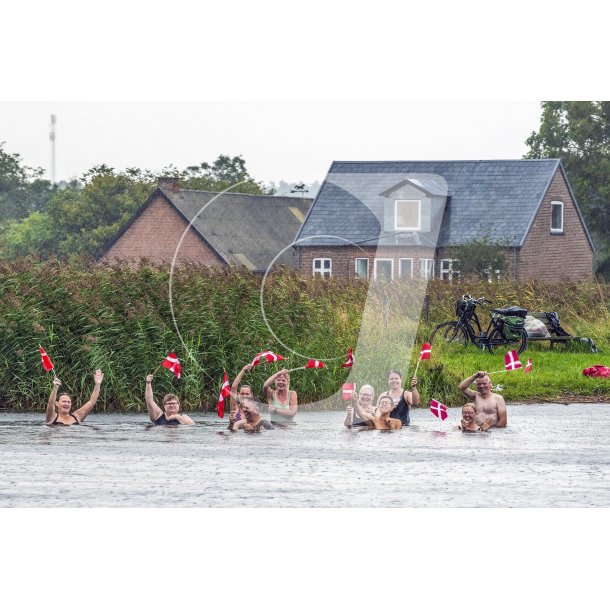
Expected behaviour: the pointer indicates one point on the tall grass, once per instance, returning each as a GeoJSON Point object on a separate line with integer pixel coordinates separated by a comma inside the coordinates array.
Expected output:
{"type": "Point", "coordinates": [119, 319]}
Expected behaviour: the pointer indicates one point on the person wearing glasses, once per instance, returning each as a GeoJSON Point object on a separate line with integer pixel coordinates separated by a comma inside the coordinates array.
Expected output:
{"type": "Point", "coordinates": [382, 419]}
{"type": "Point", "coordinates": [360, 403]}
{"type": "Point", "coordinates": [170, 416]}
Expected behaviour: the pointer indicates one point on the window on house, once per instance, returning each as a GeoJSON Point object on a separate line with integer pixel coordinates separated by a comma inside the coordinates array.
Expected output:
{"type": "Point", "coordinates": [447, 271]}
{"type": "Point", "coordinates": [407, 215]}
{"type": "Point", "coordinates": [556, 217]}
{"type": "Point", "coordinates": [362, 268]}
{"type": "Point", "coordinates": [405, 268]}
{"type": "Point", "coordinates": [323, 267]}
{"type": "Point", "coordinates": [384, 269]}
{"type": "Point", "coordinates": [426, 268]}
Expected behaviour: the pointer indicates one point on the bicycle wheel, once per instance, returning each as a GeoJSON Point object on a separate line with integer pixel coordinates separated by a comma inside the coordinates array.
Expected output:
{"type": "Point", "coordinates": [497, 339]}
{"type": "Point", "coordinates": [450, 332]}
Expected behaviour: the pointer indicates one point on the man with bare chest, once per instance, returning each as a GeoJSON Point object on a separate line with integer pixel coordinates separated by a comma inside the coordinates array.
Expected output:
{"type": "Point", "coordinates": [490, 407]}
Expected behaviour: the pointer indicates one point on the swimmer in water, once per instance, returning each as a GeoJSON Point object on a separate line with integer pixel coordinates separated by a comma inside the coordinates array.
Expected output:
{"type": "Point", "coordinates": [283, 402]}
{"type": "Point", "coordinates": [239, 393]}
{"type": "Point", "coordinates": [58, 409]}
{"type": "Point", "coordinates": [468, 423]}
{"type": "Point", "coordinates": [489, 406]}
{"type": "Point", "coordinates": [402, 399]}
{"type": "Point", "coordinates": [360, 402]}
{"type": "Point", "coordinates": [252, 420]}
{"type": "Point", "coordinates": [171, 404]}
{"type": "Point", "coordinates": [382, 420]}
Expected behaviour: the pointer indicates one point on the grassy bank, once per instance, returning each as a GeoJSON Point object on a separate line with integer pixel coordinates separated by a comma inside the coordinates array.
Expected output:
{"type": "Point", "coordinates": [119, 319]}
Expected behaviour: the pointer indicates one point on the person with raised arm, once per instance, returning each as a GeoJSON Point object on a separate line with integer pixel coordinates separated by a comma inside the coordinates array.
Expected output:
{"type": "Point", "coordinates": [382, 419]}
{"type": "Point", "coordinates": [171, 404]}
{"type": "Point", "coordinates": [360, 402]}
{"type": "Point", "coordinates": [58, 409]}
{"type": "Point", "coordinates": [283, 402]}
{"type": "Point", "coordinates": [239, 393]}
{"type": "Point", "coordinates": [489, 406]}
{"type": "Point", "coordinates": [402, 399]}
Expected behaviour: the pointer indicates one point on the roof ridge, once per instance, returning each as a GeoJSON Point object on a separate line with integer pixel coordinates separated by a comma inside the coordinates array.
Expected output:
{"type": "Point", "coordinates": [238, 193]}
{"type": "Point", "coordinates": [449, 161]}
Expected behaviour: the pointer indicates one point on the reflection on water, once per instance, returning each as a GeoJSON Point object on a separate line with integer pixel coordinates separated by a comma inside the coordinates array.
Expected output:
{"type": "Point", "coordinates": [550, 455]}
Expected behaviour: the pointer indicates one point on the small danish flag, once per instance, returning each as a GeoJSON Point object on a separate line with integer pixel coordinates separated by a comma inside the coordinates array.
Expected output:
{"type": "Point", "coordinates": [511, 361]}
{"type": "Point", "coordinates": [438, 409]}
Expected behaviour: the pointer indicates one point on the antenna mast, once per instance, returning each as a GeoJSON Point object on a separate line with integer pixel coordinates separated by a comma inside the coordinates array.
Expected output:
{"type": "Point", "coordinates": [52, 139]}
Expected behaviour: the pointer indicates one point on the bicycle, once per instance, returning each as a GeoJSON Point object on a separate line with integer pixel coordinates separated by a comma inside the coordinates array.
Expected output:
{"type": "Point", "coordinates": [463, 330]}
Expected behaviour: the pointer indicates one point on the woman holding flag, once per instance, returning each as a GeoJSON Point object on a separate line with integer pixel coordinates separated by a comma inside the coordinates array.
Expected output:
{"type": "Point", "coordinates": [402, 399]}
{"type": "Point", "coordinates": [283, 402]}
{"type": "Point", "coordinates": [58, 409]}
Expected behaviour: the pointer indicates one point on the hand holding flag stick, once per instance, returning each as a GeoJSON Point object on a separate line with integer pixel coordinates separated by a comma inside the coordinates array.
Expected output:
{"type": "Point", "coordinates": [426, 350]}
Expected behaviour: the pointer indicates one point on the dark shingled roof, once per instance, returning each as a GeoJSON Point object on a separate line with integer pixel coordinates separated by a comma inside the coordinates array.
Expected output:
{"type": "Point", "coordinates": [496, 198]}
{"type": "Point", "coordinates": [249, 230]}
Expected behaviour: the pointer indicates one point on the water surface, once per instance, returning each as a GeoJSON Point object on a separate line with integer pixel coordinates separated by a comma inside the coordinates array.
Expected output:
{"type": "Point", "coordinates": [549, 456]}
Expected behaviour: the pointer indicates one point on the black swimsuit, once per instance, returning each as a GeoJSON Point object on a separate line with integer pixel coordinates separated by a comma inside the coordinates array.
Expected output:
{"type": "Point", "coordinates": [401, 410]}
{"type": "Point", "coordinates": [55, 422]}
{"type": "Point", "coordinates": [163, 421]}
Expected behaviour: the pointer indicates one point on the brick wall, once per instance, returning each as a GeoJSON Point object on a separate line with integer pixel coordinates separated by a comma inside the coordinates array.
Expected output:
{"type": "Point", "coordinates": [343, 258]}
{"type": "Point", "coordinates": [155, 235]}
{"type": "Point", "coordinates": [552, 257]}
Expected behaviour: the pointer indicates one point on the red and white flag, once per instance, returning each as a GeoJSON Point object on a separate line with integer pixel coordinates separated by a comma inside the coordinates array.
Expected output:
{"type": "Point", "coordinates": [511, 361]}
{"type": "Point", "coordinates": [350, 359]}
{"type": "Point", "coordinates": [267, 356]}
{"type": "Point", "coordinates": [348, 388]}
{"type": "Point", "coordinates": [426, 349]}
{"type": "Point", "coordinates": [528, 366]}
{"type": "Point", "coordinates": [47, 365]}
{"type": "Point", "coordinates": [438, 409]}
{"type": "Point", "coordinates": [225, 390]}
{"type": "Point", "coordinates": [173, 364]}
{"type": "Point", "coordinates": [315, 364]}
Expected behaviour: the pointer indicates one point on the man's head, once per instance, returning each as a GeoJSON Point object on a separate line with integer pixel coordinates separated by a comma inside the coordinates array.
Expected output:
{"type": "Point", "coordinates": [171, 404]}
{"type": "Point", "coordinates": [468, 412]}
{"type": "Point", "coordinates": [385, 405]}
{"type": "Point", "coordinates": [483, 385]}
{"type": "Point", "coordinates": [250, 409]}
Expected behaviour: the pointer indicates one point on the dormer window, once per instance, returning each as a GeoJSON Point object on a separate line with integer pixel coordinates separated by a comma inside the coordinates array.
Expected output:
{"type": "Point", "coordinates": [407, 215]}
{"type": "Point", "coordinates": [556, 217]}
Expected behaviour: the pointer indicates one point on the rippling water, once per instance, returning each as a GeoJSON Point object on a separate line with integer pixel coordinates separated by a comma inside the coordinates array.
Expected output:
{"type": "Point", "coordinates": [550, 455]}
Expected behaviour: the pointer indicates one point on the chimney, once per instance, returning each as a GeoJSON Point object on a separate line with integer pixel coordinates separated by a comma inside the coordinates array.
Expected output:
{"type": "Point", "coordinates": [169, 184]}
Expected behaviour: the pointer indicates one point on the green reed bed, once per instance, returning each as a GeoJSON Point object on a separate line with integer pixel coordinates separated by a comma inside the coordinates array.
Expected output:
{"type": "Point", "coordinates": [119, 319]}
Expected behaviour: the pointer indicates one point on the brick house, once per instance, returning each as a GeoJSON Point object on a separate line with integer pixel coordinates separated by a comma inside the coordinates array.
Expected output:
{"type": "Point", "coordinates": [234, 229]}
{"type": "Point", "coordinates": [394, 220]}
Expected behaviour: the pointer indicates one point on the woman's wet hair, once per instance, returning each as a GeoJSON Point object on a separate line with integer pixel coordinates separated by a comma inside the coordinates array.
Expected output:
{"type": "Point", "coordinates": [471, 405]}
{"type": "Point", "coordinates": [168, 397]}
{"type": "Point", "coordinates": [63, 394]}
{"type": "Point", "coordinates": [395, 372]}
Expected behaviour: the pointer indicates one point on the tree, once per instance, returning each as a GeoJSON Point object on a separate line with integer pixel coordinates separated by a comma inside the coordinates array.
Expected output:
{"type": "Point", "coordinates": [579, 134]}
{"type": "Point", "coordinates": [481, 257]}
{"type": "Point", "coordinates": [22, 188]}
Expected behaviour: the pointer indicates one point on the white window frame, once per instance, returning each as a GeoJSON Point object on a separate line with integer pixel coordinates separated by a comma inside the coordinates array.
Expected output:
{"type": "Point", "coordinates": [418, 227]}
{"type": "Point", "coordinates": [322, 271]}
{"type": "Point", "coordinates": [391, 261]}
{"type": "Point", "coordinates": [400, 275]}
{"type": "Point", "coordinates": [449, 273]}
{"type": "Point", "coordinates": [421, 268]}
{"type": "Point", "coordinates": [368, 268]}
{"type": "Point", "coordinates": [555, 230]}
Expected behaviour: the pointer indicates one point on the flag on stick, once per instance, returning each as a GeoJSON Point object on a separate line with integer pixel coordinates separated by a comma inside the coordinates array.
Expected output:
{"type": "Point", "coordinates": [511, 361]}
{"type": "Point", "coordinates": [266, 356]}
{"type": "Point", "coordinates": [350, 359]}
{"type": "Point", "coordinates": [348, 388]}
{"type": "Point", "coordinates": [47, 365]}
{"type": "Point", "coordinates": [438, 409]}
{"type": "Point", "coordinates": [426, 350]}
{"type": "Point", "coordinates": [225, 390]}
{"type": "Point", "coordinates": [315, 364]}
{"type": "Point", "coordinates": [528, 366]}
{"type": "Point", "coordinates": [173, 364]}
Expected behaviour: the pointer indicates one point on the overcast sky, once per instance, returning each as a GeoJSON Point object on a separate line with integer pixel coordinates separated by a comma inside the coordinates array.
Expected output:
{"type": "Point", "coordinates": [279, 140]}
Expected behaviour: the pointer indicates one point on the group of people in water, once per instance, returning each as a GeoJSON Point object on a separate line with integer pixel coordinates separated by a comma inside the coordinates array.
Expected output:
{"type": "Point", "coordinates": [391, 411]}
